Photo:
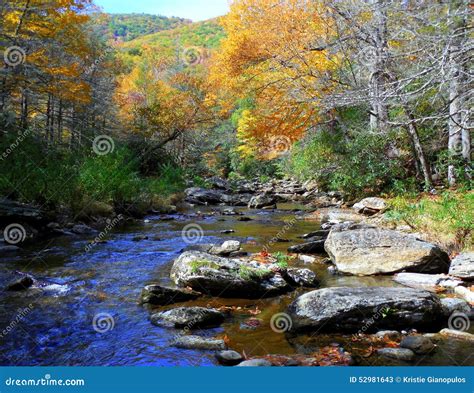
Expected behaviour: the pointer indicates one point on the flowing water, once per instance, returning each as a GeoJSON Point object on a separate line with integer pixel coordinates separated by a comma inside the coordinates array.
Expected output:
{"type": "Point", "coordinates": [53, 325]}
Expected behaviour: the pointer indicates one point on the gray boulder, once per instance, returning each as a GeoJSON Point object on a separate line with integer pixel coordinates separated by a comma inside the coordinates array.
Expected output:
{"type": "Point", "coordinates": [226, 248]}
{"type": "Point", "coordinates": [370, 206]}
{"type": "Point", "coordinates": [463, 266]}
{"type": "Point", "coordinates": [201, 196]}
{"type": "Point", "coordinates": [451, 305]}
{"type": "Point", "coordinates": [302, 277]}
{"type": "Point", "coordinates": [229, 358]}
{"type": "Point", "coordinates": [188, 317]}
{"type": "Point", "coordinates": [429, 282]}
{"type": "Point", "coordinates": [162, 296]}
{"type": "Point", "coordinates": [419, 344]}
{"type": "Point", "coordinates": [315, 247]}
{"type": "Point", "coordinates": [255, 363]}
{"type": "Point", "coordinates": [202, 343]}
{"type": "Point", "coordinates": [347, 309]}
{"type": "Point", "coordinates": [367, 250]}
{"type": "Point", "coordinates": [225, 277]}
{"type": "Point", "coordinates": [338, 216]}
{"type": "Point", "coordinates": [397, 353]}
{"type": "Point", "coordinates": [20, 282]}
{"type": "Point", "coordinates": [261, 201]}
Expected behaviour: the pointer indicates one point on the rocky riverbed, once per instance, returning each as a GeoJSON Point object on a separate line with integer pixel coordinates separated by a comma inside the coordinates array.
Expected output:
{"type": "Point", "coordinates": [247, 274]}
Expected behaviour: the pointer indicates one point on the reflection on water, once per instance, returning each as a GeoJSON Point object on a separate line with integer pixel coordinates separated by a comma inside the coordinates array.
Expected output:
{"type": "Point", "coordinates": [53, 325]}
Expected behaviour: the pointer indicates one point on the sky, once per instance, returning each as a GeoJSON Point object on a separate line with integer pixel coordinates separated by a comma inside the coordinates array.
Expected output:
{"type": "Point", "coordinates": [190, 9]}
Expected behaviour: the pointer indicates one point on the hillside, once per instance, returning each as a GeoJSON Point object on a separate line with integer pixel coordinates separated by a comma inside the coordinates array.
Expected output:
{"type": "Point", "coordinates": [127, 27]}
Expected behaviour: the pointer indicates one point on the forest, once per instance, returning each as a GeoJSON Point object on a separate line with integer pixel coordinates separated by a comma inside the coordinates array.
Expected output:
{"type": "Point", "coordinates": [347, 112]}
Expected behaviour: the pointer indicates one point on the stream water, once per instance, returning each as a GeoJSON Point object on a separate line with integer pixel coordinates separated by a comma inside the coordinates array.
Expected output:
{"type": "Point", "coordinates": [54, 325]}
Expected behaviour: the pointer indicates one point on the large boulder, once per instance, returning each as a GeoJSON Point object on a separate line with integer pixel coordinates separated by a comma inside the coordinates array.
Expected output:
{"type": "Point", "coordinates": [428, 282]}
{"type": "Point", "coordinates": [370, 206]}
{"type": "Point", "coordinates": [338, 216]}
{"type": "Point", "coordinates": [463, 266]}
{"type": "Point", "coordinates": [261, 201]}
{"type": "Point", "coordinates": [162, 296]}
{"type": "Point", "coordinates": [188, 317]}
{"type": "Point", "coordinates": [314, 247]}
{"type": "Point", "coordinates": [367, 250]}
{"type": "Point", "coordinates": [226, 277]}
{"type": "Point", "coordinates": [347, 309]}
{"type": "Point", "coordinates": [197, 342]}
{"type": "Point", "coordinates": [201, 196]}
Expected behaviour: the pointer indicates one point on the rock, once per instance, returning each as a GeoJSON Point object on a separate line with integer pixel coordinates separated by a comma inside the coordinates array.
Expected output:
{"type": "Point", "coordinates": [460, 335]}
{"type": "Point", "coordinates": [196, 342]}
{"type": "Point", "coordinates": [227, 231]}
{"type": "Point", "coordinates": [81, 229]}
{"type": "Point", "coordinates": [226, 248]}
{"type": "Point", "coordinates": [332, 270]}
{"type": "Point", "coordinates": [339, 216]}
{"type": "Point", "coordinates": [397, 353]}
{"type": "Point", "coordinates": [302, 277]}
{"type": "Point", "coordinates": [261, 201]}
{"type": "Point", "coordinates": [139, 238]}
{"type": "Point", "coordinates": [307, 258]}
{"type": "Point", "coordinates": [391, 334]}
{"type": "Point", "coordinates": [255, 363]}
{"type": "Point", "coordinates": [465, 293]}
{"type": "Point", "coordinates": [226, 277]}
{"type": "Point", "coordinates": [347, 309]}
{"type": "Point", "coordinates": [316, 247]}
{"type": "Point", "coordinates": [15, 212]}
{"type": "Point", "coordinates": [370, 206]}
{"type": "Point", "coordinates": [366, 250]}
{"type": "Point", "coordinates": [219, 183]}
{"type": "Point", "coordinates": [200, 196]}
{"type": "Point", "coordinates": [188, 317]}
{"type": "Point", "coordinates": [418, 344]}
{"type": "Point", "coordinates": [463, 266]}
{"type": "Point", "coordinates": [162, 296]}
{"type": "Point", "coordinates": [244, 219]}
{"type": "Point", "coordinates": [451, 305]}
{"type": "Point", "coordinates": [429, 282]}
{"type": "Point", "coordinates": [21, 282]}
{"type": "Point", "coordinates": [323, 234]}
{"type": "Point", "coordinates": [229, 358]}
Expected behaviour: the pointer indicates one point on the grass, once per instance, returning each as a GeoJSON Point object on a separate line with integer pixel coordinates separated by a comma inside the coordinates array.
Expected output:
{"type": "Point", "coordinates": [282, 260]}
{"type": "Point", "coordinates": [249, 273]}
{"type": "Point", "coordinates": [447, 219]}
{"type": "Point", "coordinates": [198, 264]}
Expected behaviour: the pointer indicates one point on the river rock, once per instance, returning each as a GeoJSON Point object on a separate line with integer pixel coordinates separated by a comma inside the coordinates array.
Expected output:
{"type": "Point", "coordinates": [391, 334]}
{"type": "Point", "coordinates": [458, 334]}
{"type": "Point", "coordinates": [81, 229]}
{"type": "Point", "coordinates": [188, 317]}
{"type": "Point", "coordinates": [219, 183]}
{"type": "Point", "coordinates": [316, 247]}
{"type": "Point", "coordinates": [465, 293]}
{"type": "Point", "coordinates": [226, 248]}
{"type": "Point", "coordinates": [322, 234]}
{"type": "Point", "coordinates": [370, 206]}
{"type": "Point", "coordinates": [255, 363]}
{"type": "Point", "coordinates": [429, 282]}
{"type": "Point", "coordinates": [302, 277]}
{"type": "Point", "coordinates": [162, 296]}
{"type": "Point", "coordinates": [262, 201]}
{"type": "Point", "coordinates": [197, 342]}
{"type": "Point", "coordinates": [367, 250]}
{"type": "Point", "coordinates": [419, 344]}
{"type": "Point", "coordinates": [21, 282]}
{"type": "Point", "coordinates": [226, 277]}
{"type": "Point", "coordinates": [463, 266]}
{"type": "Point", "coordinates": [451, 305]}
{"type": "Point", "coordinates": [201, 196]}
{"type": "Point", "coordinates": [339, 216]}
{"type": "Point", "coordinates": [397, 353]}
{"type": "Point", "coordinates": [347, 309]}
{"type": "Point", "coordinates": [229, 358]}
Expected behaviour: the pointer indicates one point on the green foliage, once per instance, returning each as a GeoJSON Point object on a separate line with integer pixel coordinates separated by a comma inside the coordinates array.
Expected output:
{"type": "Point", "coordinates": [354, 162]}
{"type": "Point", "coordinates": [449, 218]}
{"type": "Point", "coordinates": [251, 167]}
{"type": "Point", "coordinates": [82, 177]}
{"type": "Point", "coordinates": [250, 273]}
{"type": "Point", "coordinates": [130, 26]}
{"type": "Point", "coordinates": [282, 260]}
{"type": "Point", "coordinates": [198, 264]}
